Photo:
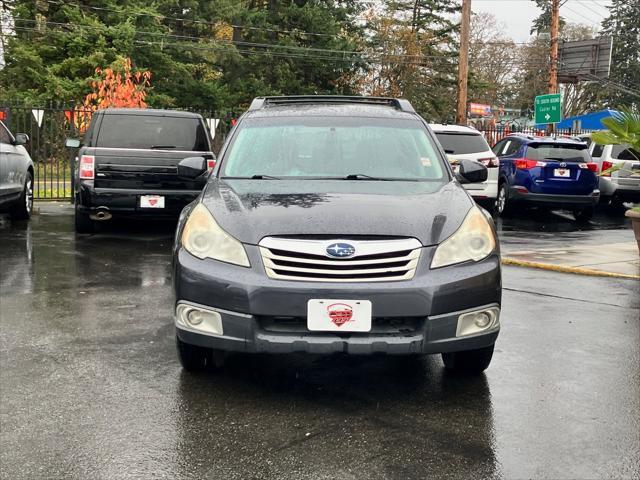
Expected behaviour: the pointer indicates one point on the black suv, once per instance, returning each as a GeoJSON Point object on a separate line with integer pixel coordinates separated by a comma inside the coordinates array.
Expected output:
{"type": "Point", "coordinates": [131, 163]}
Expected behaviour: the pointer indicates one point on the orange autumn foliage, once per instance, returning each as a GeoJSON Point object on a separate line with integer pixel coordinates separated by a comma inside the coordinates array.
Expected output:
{"type": "Point", "coordinates": [116, 89]}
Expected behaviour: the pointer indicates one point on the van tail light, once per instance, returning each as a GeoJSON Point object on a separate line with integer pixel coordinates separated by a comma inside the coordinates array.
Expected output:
{"type": "Point", "coordinates": [527, 163]}
{"type": "Point", "coordinates": [86, 170]}
{"type": "Point", "coordinates": [210, 164]}
{"type": "Point", "coordinates": [591, 166]}
{"type": "Point", "coordinates": [606, 166]}
{"type": "Point", "coordinates": [489, 162]}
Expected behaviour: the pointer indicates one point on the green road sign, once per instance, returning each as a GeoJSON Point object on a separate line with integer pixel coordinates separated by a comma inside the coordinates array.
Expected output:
{"type": "Point", "coordinates": [548, 108]}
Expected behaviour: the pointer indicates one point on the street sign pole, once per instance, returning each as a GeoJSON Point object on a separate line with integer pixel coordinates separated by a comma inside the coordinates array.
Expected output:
{"type": "Point", "coordinates": [548, 109]}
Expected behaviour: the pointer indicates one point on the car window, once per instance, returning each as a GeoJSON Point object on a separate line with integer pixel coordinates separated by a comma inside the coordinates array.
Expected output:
{"type": "Point", "coordinates": [512, 148]}
{"type": "Point", "coordinates": [597, 150]}
{"type": "Point", "coordinates": [5, 137]}
{"type": "Point", "coordinates": [623, 152]}
{"type": "Point", "coordinates": [462, 143]}
{"type": "Point", "coordinates": [152, 131]}
{"type": "Point", "coordinates": [333, 147]}
{"type": "Point", "coordinates": [497, 148]}
{"type": "Point", "coordinates": [558, 151]}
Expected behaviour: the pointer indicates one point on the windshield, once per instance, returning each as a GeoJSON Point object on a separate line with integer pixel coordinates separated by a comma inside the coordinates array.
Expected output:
{"type": "Point", "coordinates": [557, 151]}
{"type": "Point", "coordinates": [462, 143]}
{"type": "Point", "coordinates": [333, 147]}
{"type": "Point", "coordinates": [152, 131]}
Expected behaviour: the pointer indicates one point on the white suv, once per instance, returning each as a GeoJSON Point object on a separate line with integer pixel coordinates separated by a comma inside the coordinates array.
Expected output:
{"type": "Point", "coordinates": [466, 143]}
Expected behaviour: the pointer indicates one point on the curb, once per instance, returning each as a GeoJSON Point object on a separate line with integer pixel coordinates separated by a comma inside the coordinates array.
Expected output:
{"type": "Point", "coordinates": [565, 269]}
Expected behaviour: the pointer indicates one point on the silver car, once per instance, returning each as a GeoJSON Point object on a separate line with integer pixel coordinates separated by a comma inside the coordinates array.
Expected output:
{"type": "Point", "coordinates": [622, 185]}
{"type": "Point", "coordinates": [16, 175]}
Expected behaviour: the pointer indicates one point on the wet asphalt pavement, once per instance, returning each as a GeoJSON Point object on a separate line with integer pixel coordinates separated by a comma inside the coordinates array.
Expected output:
{"type": "Point", "coordinates": [91, 386]}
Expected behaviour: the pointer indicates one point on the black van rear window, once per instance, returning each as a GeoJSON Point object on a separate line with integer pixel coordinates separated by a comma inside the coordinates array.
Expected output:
{"type": "Point", "coordinates": [151, 131]}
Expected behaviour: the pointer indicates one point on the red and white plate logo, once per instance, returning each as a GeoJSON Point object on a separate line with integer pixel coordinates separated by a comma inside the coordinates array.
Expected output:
{"type": "Point", "coordinates": [340, 313]}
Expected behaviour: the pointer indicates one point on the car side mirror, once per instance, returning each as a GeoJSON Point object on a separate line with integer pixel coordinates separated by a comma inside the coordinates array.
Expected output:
{"type": "Point", "coordinates": [72, 143]}
{"type": "Point", "coordinates": [192, 167]}
{"type": "Point", "coordinates": [21, 139]}
{"type": "Point", "coordinates": [472, 172]}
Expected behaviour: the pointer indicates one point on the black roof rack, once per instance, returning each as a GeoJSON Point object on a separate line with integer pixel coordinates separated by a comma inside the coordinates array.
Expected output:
{"type": "Point", "coordinates": [398, 103]}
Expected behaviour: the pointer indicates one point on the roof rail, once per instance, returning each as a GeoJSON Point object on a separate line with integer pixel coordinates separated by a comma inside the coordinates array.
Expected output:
{"type": "Point", "coordinates": [398, 103]}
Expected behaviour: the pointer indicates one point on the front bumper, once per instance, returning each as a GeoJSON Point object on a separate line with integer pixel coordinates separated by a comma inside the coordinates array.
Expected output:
{"type": "Point", "coordinates": [554, 201]}
{"type": "Point", "coordinates": [264, 315]}
{"type": "Point", "coordinates": [123, 202]}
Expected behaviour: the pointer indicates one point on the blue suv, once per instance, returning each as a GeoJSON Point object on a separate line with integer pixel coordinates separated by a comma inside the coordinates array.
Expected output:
{"type": "Point", "coordinates": [546, 172]}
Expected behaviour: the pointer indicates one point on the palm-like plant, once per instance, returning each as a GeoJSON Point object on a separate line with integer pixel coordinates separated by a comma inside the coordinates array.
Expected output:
{"type": "Point", "coordinates": [623, 128]}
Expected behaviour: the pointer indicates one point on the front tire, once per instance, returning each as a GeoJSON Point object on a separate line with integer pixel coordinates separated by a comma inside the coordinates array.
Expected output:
{"type": "Point", "coordinates": [22, 210]}
{"type": "Point", "coordinates": [194, 358]}
{"type": "Point", "coordinates": [468, 361]}
{"type": "Point", "coordinates": [83, 223]}
{"type": "Point", "coordinates": [583, 215]}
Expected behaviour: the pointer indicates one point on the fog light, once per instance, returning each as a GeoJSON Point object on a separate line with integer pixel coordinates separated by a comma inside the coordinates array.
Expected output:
{"type": "Point", "coordinates": [195, 317]}
{"type": "Point", "coordinates": [477, 322]}
{"type": "Point", "coordinates": [482, 320]}
{"type": "Point", "coordinates": [199, 319]}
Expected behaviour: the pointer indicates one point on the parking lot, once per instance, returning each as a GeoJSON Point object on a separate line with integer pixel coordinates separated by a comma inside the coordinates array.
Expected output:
{"type": "Point", "coordinates": [91, 386]}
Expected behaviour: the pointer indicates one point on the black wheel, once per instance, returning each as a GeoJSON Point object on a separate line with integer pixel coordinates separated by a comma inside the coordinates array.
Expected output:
{"type": "Point", "coordinates": [83, 223]}
{"type": "Point", "coordinates": [583, 215]}
{"type": "Point", "coordinates": [502, 202]}
{"type": "Point", "coordinates": [197, 359]}
{"type": "Point", "coordinates": [469, 361]}
{"type": "Point", "coordinates": [23, 208]}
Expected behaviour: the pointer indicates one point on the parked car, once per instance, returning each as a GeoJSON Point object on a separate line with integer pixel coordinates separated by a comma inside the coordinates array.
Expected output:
{"type": "Point", "coordinates": [16, 175]}
{"type": "Point", "coordinates": [462, 142]}
{"type": "Point", "coordinates": [131, 161]}
{"type": "Point", "coordinates": [546, 172]}
{"type": "Point", "coordinates": [619, 167]}
{"type": "Point", "coordinates": [335, 224]}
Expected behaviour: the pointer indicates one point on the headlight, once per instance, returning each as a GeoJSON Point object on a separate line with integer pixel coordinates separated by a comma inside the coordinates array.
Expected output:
{"type": "Point", "coordinates": [474, 240]}
{"type": "Point", "coordinates": [202, 237]}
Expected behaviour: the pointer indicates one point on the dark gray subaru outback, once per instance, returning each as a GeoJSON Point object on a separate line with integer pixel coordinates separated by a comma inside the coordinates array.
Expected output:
{"type": "Point", "coordinates": [335, 224]}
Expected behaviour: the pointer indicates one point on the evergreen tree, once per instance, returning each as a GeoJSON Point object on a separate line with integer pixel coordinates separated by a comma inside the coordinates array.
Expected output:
{"type": "Point", "coordinates": [623, 24]}
{"type": "Point", "coordinates": [213, 54]}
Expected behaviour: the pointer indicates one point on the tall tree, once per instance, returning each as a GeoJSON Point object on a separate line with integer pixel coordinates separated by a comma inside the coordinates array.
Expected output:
{"type": "Point", "coordinates": [492, 57]}
{"type": "Point", "coordinates": [213, 54]}
{"type": "Point", "coordinates": [623, 24]}
{"type": "Point", "coordinates": [414, 51]}
{"type": "Point", "coordinates": [542, 24]}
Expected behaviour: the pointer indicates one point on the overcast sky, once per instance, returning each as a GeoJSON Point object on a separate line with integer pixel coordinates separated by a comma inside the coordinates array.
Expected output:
{"type": "Point", "coordinates": [518, 15]}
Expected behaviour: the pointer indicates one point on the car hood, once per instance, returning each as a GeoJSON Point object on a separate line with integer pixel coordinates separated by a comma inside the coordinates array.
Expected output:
{"type": "Point", "coordinates": [253, 209]}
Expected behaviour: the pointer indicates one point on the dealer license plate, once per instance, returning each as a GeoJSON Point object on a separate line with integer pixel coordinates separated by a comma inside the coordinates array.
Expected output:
{"type": "Point", "coordinates": [151, 201]}
{"type": "Point", "coordinates": [562, 172]}
{"type": "Point", "coordinates": [339, 315]}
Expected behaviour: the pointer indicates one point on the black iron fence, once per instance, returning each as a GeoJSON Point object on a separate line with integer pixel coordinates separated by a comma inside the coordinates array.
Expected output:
{"type": "Point", "coordinates": [49, 126]}
{"type": "Point", "coordinates": [495, 134]}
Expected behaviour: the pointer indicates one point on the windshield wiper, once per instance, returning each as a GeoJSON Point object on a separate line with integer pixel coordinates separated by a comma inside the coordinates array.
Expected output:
{"type": "Point", "coordinates": [362, 176]}
{"type": "Point", "coordinates": [253, 177]}
{"type": "Point", "coordinates": [162, 147]}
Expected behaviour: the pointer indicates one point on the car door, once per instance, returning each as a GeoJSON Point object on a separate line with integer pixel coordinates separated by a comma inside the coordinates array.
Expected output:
{"type": "Point", "coordinates": [506, 150]}
{"type": "Point", "coordinates": [6, 159]}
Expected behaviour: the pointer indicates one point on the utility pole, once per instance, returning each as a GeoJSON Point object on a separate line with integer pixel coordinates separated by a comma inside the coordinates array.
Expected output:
{"type": "Point", "coordinates": [553, 70]}
{"type": "Point", "coordinates": [555, 27]}
{"type": "Point", "coordinates": [463, 63]}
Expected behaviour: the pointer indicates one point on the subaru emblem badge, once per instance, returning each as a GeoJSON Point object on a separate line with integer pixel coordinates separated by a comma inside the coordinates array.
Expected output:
{"type": "Point", "coordinates": [341, 250]}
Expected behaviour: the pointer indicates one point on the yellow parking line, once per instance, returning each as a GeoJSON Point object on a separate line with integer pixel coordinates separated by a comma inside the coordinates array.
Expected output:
{"type": "Point", "coordinates": [565, 269]}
